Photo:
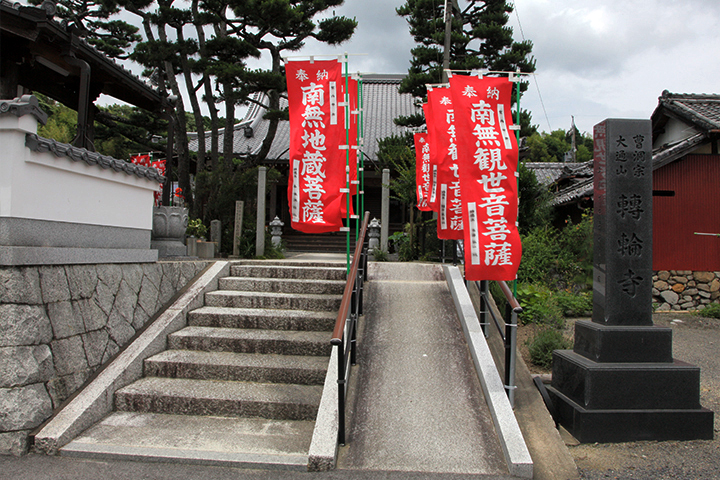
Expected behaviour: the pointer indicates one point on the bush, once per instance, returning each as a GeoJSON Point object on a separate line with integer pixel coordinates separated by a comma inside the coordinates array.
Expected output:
{"type": "Point", "coordinates": [540, 305]}
{"type": "Point", "coordinates": [543, 344]}
{"type": "Point", "coordinates": [558, 258]}
{"type": "Point", "coordinates": [196, 228]}
{"type": "Point", "coordinates": [400, 242]}
{"type": "Point", "coordinates": [380, 255]}
{"type": "Point", "coordinates": [575, 304]}
{"type": "Point", "coordinates": [710, 311]}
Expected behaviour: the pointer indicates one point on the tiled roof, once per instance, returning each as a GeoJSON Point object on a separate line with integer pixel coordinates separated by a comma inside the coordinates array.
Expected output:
{"type": "Point", "coordinates": [702, 110]}
{"type": "Point", "coordinates": [40, 144]}
{"type": "Point", "coordinates": [382, 104]}
{"type": "Point", "coordinates": [548, 173]}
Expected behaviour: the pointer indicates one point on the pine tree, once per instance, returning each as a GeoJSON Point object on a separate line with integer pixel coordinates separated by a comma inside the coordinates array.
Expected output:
{"type": "Point", "coordinates": [111, 36]}
{"type": "Point", "coordinates": [480, 40]}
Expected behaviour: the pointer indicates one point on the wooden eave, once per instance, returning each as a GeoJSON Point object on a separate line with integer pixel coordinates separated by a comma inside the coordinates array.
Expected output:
{"type": "Point", "coordinates": [40, 47]}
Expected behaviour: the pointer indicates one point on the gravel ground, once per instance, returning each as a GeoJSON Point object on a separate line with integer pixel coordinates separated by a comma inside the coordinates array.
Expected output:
{"type": "Point", "coordinates": [696, 340]}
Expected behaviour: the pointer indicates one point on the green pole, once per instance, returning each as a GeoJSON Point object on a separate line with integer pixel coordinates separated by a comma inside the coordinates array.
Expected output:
{"type": "Point", "coordinates": [517, 137]}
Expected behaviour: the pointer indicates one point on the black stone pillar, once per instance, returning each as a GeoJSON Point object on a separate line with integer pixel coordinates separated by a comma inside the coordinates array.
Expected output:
{"type": "Point", "coordinates": [620, 382]}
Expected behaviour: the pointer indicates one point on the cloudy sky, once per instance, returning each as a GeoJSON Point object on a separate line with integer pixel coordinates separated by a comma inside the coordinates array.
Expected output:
{"type": "Point", "coordinates": [595, 59]}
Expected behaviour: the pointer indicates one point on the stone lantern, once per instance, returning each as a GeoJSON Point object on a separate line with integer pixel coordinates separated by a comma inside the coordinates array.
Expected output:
{"type": "Point", "coordinates": [276, 231]}
{"type": "Point", "coordinates": [374, 234]}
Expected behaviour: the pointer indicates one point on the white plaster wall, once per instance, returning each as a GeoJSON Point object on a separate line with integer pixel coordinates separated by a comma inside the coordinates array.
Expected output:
{"type": "Point", "coordinates": [675, 131]}
{"type": "Point", "coordinates": [42, 186]}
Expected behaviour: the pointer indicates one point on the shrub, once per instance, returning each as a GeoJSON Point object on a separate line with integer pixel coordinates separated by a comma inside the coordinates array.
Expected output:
{"type": "Point", "coordinates": [710, 311]}
{"type": "Point", "coordinates": [400, 241]}
{"type": "Point", "coordinates": [540, 306]}
{"type": "Point", "coordinates": [558, 258]}
{"type": "Point", "coordinates": [543, 344]}
{"type": "Point", "coordinates": [196, 228]}
{"type": "Point", "coordinates": [575, 304]}
{"type": "Point", "coordinates": [380, 255]}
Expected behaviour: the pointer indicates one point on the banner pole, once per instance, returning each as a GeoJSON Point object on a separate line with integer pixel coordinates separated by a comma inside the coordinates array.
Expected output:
{"type": "Point", "coordinates": [361, 144]}
{"type": "Point", "coordinates": [347, 163]}
{"type": "Point", "coordinates": [359, 165]}
{"type": "Point", "coordinates": [517, 137]}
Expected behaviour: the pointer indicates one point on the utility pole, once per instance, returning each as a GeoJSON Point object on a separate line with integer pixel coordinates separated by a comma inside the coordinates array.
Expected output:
{"type": "Point", "coordinates": [573, 155]}
{"type": "Point", "coordinates": [448, 31]}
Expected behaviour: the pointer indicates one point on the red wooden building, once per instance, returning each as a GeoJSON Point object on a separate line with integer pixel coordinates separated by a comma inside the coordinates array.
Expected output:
{"type": "Point", "coordinates": [686, 182]}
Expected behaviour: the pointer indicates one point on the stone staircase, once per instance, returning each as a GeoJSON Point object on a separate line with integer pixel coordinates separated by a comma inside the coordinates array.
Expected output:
{"type": "Point", "coordinates": [240, 384]}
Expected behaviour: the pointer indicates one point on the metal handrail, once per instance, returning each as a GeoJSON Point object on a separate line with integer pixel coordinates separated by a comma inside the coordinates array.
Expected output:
{"type": "Point", "coordinates": [344, 335]}
{"type": "Point", "coordinates": [512, 310]}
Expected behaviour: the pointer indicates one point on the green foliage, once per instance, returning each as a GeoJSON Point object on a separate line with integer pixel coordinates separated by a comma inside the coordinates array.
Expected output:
{"type": "Point", "coordinates": [481, 39]}
{"type": "Point", "coordinates": [196, 228]}
{"type": "Point", "coordinates": [112, 37]}
{"type": "Point", "coordinates": [543, 344]}
{"type": "Point", "coordinates": [558, 258]}
{"type": "Point", "coordinates": [540, 305]}
{"type": "Point", "coordinates": [62, 121]}
{"type": "Point", "coordinates": [380, 255]}
{"type": "Point", "coordinates": [551, 147]}
{"type": "Point", "coordinates": [400, 243]}
{"type": "Point", "coordinates": [710, 311]}
{"type": "Point", "coordinates": [575, 304]}
{"type": "Point", "coordinates": [395, 153]}
{"type": "Point", "coordinates": [535, 207]}
{"type": "Point", "coordinates": [498, 296]}
{"type": "Point", "coordinates": [220, 190]}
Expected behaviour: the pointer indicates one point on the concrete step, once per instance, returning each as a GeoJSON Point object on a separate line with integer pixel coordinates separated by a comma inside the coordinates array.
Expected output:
{"type": "Point", "coordinates": [295, 263]}
{"type": "Point", "coordinates": [296, 271]}
{"type": "Point", "coordinates": [246, 367]}
{"type": "Point", "coordinates": [256, 443]}
{"type": "Point", "coordinates": [220, 398]}
{"type": "Point", "coordinates": [263, 318]}
{"type": "Point", "coordinates": [288, 301]}
{"type": "Point", "coordinates": [306, 286]}
{"type": "Point", "coordinates": [281, 342]}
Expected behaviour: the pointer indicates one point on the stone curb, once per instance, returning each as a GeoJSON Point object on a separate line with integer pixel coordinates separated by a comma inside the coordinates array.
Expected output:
{"type": "Point", "coordinates": [517, 455]}
{"type": "Point", "coordinates": [322, 455]}
{"type": "Point", "coordinates": [96, 400]}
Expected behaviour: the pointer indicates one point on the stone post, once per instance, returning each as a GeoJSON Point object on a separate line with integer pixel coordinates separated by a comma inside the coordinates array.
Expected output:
{"type": "Point", "coordinates": [216, 234]}
{"type": "Point", "coordinates": [385, 212]}
{"type": "Point", "coordinates": [260, 232]}
{"type": "Point", "coordinates": [237, 234]}
{"type": "Point", "coordinates": [620, 382]}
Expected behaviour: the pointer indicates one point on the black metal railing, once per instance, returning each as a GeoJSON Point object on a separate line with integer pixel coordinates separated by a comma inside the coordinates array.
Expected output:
{"type": "Point", "coordinates": [509, 335]}
{"type": "Point", "coordinates": [344, 335]}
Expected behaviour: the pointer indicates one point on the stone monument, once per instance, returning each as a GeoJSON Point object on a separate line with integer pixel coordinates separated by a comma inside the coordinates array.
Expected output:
{"type": "Point", "coordinates": [620, 382]}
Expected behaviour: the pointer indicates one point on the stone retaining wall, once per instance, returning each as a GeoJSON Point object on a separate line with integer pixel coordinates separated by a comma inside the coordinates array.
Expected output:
{"type": "Point", "coordinates": [675, 290]}
{"type": "Point", "coordinates": [58, 324]}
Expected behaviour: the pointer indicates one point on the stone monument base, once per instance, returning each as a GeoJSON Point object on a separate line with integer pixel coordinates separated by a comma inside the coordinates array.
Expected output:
{"type": "Point", "coordinates": [616, 425]}
{"type": "Point", "coordinates": [621, 384]}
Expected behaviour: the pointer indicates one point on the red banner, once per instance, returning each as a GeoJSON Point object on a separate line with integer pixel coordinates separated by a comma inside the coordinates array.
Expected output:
{"type": "Point", "coordinates": [432, 201]}
{"type": "Point", "coordinates": [317, 165]}
{"type": "Point", "coordinates": [488, 168]}
{"type": "Point", "coordinates": [422, 171]}
{"type": "Point", "coordinates": [443, 141]}
{"type": "Point", "coordinates": [352, 126]}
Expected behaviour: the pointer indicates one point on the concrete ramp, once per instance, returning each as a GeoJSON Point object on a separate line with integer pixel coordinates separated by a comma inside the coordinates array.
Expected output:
{"type": "Point", "coordinates": [416, 402]}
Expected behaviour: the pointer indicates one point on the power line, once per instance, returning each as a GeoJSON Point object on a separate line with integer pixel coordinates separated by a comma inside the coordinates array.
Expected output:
{"type": "Point", "coordinates": [537, 86]}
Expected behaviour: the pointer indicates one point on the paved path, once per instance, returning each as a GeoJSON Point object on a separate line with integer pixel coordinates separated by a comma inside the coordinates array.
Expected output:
{"type": "Point", "coordinates": [417, 404]}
